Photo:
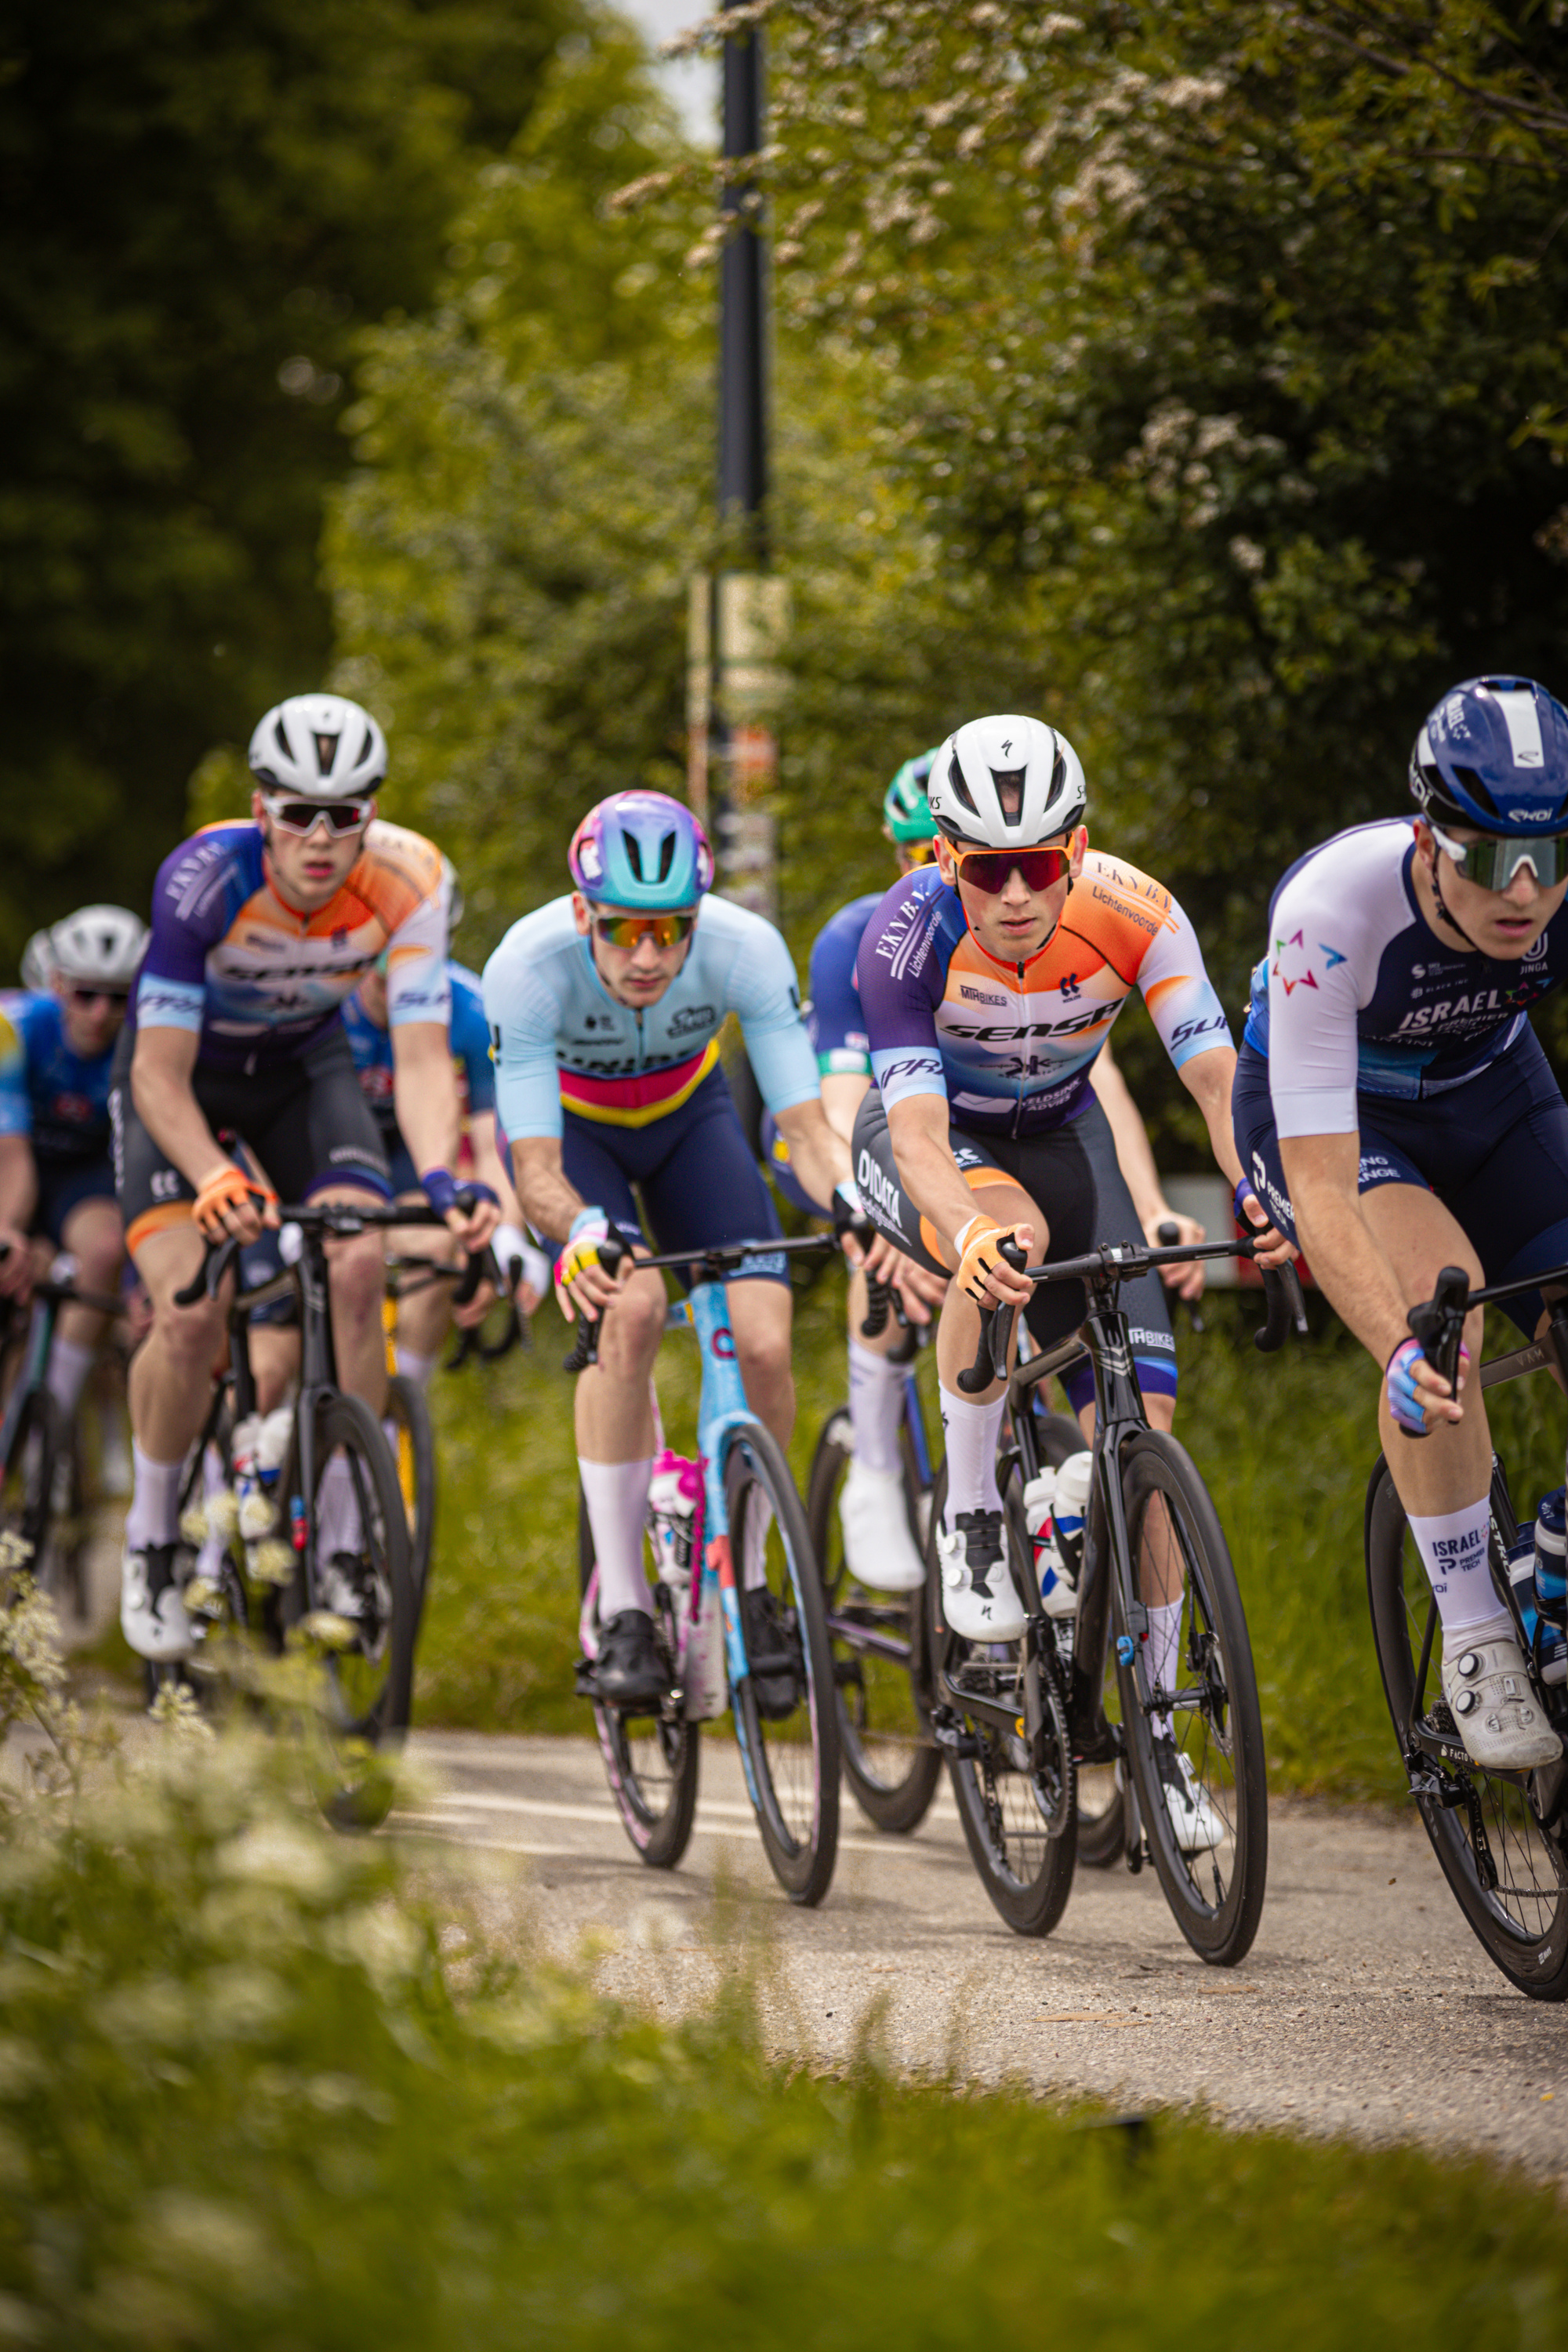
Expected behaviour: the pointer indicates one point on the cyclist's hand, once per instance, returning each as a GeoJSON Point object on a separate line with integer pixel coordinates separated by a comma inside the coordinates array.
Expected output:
{"type": "Point", "coordinates": [512, 1248]}
{"type": "Point", "coordinates": [471, 1210]}
{"type": "Point", "coordinates": [921, 1292]}
{"type": "Point", "coordinates": [579, 1279]}
{"type": "Point", "coordinates": [983, 1273]}
{"type": "Point", "coordinates": [475, 1309]}
{"type": "Point", "coordinates": [232, 1205]}
{"type": "Point", "coordinates": [1417, 1393]}
{"type": "Point", "coordinates": [1273, 1249]}
{"type": "Point", "coordinates": [15, 1265]}
{"type": "Point", "coordinates": [848, 1210]}
{"type": "Point", "coordinates": [1186, 1281]}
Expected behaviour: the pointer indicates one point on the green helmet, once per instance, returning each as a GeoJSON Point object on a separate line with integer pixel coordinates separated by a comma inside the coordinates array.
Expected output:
{"type": "Point", "coordinates": [904, 804]}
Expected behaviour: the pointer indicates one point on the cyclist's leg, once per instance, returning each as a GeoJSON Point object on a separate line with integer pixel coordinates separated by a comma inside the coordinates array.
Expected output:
{"type": "Point", "coordinates": [81, 1213]}
{"type": "Point", "coordinates": [1145, 1302]}
{"type": "Point", "coordinates": [424, 1316]}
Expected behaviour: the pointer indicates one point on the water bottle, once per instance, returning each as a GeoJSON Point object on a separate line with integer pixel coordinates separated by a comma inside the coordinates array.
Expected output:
{"type": "Point", "coordinates": [1551, 1544]}
{"type": "Point", "coordinates": [1548, 1642]}
{"type": "Point", "coordinates": [1073, 1482]}
{"type": "Point", "coordinates": [673, 1495]}
{"type": "Point", "coordinates": [261, 1444]}
{"type": "Point", "coordinates": [1059, 1586]}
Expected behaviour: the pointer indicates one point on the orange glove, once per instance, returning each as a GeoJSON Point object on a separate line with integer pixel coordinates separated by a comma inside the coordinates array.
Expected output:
{"type": "Point", "coordinates": [227, 1190]}
{"type": "Point", "coordinates": [979, 1254]}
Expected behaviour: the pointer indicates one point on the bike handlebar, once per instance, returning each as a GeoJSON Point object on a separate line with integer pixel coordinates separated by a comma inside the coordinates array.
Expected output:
{"type": "Point", "coordinates": [338, 1218]}
{"type": "Point", "coordinates": [726, 1256]}
{"type": "Point", "coordinates": [66, 1294]}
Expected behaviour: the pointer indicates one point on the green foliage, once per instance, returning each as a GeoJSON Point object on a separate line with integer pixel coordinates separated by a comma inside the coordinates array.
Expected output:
{"type": "Point", "coordinates": [205, 202]}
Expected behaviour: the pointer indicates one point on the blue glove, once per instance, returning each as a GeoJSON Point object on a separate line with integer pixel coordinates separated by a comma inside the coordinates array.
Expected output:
{"type": "Point", "coordinates": [1243, 1194]}
{"type": "Point", "coordinates": [1404, 1397]}
{"type": "Point", "coordinates": [444, 1192]}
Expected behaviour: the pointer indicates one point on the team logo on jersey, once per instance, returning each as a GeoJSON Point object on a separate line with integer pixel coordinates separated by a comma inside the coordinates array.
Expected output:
{"type": "Point", "coordinates": [1293, 960]}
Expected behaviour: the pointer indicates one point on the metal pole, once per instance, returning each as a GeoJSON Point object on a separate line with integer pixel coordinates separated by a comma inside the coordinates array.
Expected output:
{"type": "Point", "coordinates": [743, 419]}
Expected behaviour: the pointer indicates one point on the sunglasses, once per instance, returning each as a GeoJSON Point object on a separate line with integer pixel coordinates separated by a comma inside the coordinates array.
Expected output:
{"type": "Point", "coordinates": [84, 996]}
{"type": "Point", "coordinates": [627, 931]}
{"type": "Point", "coordinates": [304, 816]}
{"type": "Point", "coordinates": [987, 869]}
{"type": "Point", "coordinates": [1493, 863]}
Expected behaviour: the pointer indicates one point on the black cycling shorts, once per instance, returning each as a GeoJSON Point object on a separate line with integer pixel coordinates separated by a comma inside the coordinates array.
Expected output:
{"type": "Point", "coordinates": [1056, 1169]}
{"type": "Point", "coordinates": [306, 1120]}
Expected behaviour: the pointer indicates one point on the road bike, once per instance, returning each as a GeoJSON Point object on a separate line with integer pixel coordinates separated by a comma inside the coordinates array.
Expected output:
{"type": "Point", "coordinates": [1019, 1721]}
{"type": "Point", "coordinates": [1500, 1838]}
{"type": "Point", "coordinates": [741, 1624]}
{"type": "Point", "coordinates": [315, 1555]}
{"type": "Point", "coordinates": [41, 1502]}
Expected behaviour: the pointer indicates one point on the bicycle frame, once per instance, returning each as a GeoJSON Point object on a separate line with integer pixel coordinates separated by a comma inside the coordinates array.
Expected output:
{"type": "Point", "coordinates": [39, 1340]}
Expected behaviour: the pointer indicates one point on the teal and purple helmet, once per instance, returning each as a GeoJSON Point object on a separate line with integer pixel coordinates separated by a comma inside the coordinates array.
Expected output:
{"type": "Point", "coordinates": [643, 851]}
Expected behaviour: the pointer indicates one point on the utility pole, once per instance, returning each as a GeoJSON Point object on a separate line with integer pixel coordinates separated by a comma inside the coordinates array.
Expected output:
{"type": "Point", "coordinates": [737, 620]}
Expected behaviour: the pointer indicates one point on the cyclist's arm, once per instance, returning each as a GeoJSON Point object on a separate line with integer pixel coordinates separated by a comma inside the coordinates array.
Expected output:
{"type": "Point", "coordinates": [430, 1116]}
{"type": "Point", "coordinates": [490, 1169]}
{"type": "Point", "coordinates": [18, 1198]}
{"type": "Point", "coordinates": [842, 1096]}
{"type": "Point", "coordinates": [819, 1156]}
{"type": "Point", "coordinates": [1208, 1077]}
{"type": "Point", "coordinates": [918, 1127]}
{"type": "Point", "coordinates": [160, 1069]}
{"type": "Point", "coordinates": [1136, 1160]}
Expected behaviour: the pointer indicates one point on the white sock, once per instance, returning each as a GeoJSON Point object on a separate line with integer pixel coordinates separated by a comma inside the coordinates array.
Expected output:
{"type": "Point", "coordinates": [414, 1367]}
{"type": "Point", "coordinates": [339, 1527]}
{"type": "Point", "coordinates": [971, 1431]}
{"type": "Point", "coordinates": [209, 1559]}
{"type": "Point", "coordinates": [69, 1368]}
{"type": "Point", "coordinates": [616, 1494]}
{"type": "Point", "coordinates": [1165, 1640]}
{"type": "Point", "coordinates": [876, 1407]}
{"type": "Point", "coordinates": [1453, 1550]}
{"type": "Point", "coordinates": [154, 1515]}
{"type": "Point", "coordinates": [759, 1519]}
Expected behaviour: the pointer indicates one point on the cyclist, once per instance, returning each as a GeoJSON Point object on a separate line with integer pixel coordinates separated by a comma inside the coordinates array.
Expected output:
{"type": "Point", "coordinates": [1399, 1116]}
{"type": "Point", "coordinates": [260, 930]}
{"type": "Point", "coordinates": [878, 1545]}
{"type": "Point", "coordinates": [57, 1048]}
{"type": "Point", "coordinates": [990, 981]}
{"type": "Point", "coordinates": [605, 1008]}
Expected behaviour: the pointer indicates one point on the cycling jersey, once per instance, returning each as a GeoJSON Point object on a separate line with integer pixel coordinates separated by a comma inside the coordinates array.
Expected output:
{"type": "Point", "coordinates": [1359, 995]}
{"type": "Point", "coordinates": [561, 1040]}
{"type": "Point", "coordinates": [57, 1099]}
{"type": "Point", "coordinates": [470, 1039]}
{"type": "Point", "coordinates": [229, 960]}
{"type": "Point", "coordinates": [1010, 1045]}
{"type": "Point", "coordinates": [834, 1016]}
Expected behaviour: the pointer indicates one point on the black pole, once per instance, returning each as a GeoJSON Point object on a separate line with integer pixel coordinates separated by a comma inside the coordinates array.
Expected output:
{"type": "Point", "coordinates": [742, 413]}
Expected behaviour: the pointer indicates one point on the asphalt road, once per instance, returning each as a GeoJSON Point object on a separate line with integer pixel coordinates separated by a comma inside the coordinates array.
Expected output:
{"type": "Point", "coordinates": [1365, 2007]}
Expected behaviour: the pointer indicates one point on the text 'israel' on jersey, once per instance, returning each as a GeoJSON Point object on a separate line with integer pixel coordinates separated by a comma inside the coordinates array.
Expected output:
{"type": "Point", "coordinates": [834, 1017]}
{"type": "Point", "coordinates": [561, 1040]}
{"type": "Point", "coordinates": [466, 1029]}
{"type": "Point", "coordinates": [1359, 995]}
{"type": "Point", "coordinates": [1010, 1045]}
{"type": "Point", "coordinates": [57, 1099]}
{"type": "Point", "coordinates": [230, 960]}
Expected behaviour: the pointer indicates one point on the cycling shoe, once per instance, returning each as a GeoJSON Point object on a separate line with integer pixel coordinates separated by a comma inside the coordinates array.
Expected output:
{"type": "Point", "coordinates": [978, 1598]}
{"type": "Point", "coordinates": [878, 1545]}
{"type": "Point", "coordinates": [1495, 1709]}
{"type": "Point", "coordinates": [770, 1653]}
{"type": "Point", "coordinates": [629, 1670]}
{"type": "Point", "coordinates": [1195, 1825]}
{"type": "Point", "coordinates": [151, 1612]}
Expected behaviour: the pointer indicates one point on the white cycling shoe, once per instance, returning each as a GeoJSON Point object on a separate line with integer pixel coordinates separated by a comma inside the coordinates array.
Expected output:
{"type": "Point", "coordinates": [877, 1545]}
{"type": "Point", "coordinates": [1195, 1824]}
{"type": "Point", "coordinates": [1490, 1700]}
{"type": "Point", "coordinates": [979, 1598]}
{"type": "Point", "coordinates": [152, 1611]}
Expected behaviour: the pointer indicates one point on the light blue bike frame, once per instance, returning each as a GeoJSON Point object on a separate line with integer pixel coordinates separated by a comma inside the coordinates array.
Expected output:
{"type": "Point", "coordinates": [723, 1414]}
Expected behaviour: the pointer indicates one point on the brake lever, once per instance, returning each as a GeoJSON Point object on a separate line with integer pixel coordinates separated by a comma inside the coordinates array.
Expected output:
{"type": "Point", "coordinates": [1439, 1323]}
{"type": "Point", "coordinates": [996, 1335]}
{"type": "Point", "coordinates": [209, 1275]}
{"type": "Point", "coordinates": [586, 1347]}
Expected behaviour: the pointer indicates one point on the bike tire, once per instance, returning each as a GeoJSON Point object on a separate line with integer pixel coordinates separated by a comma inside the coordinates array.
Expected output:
{"type": "Point", "coordinates": [796, 1804]}
{"type": "Point", "coordinates": [408, 1408]}
{"type": "Point", "coordinates": [653, 1775]}
{"type": "Point", "coordinates": [1022, 1834]}
{"type": "Point", "coordinates": [1523, 1924]}
{"type": "Point", "coordinates": [368, 1686]}
{"type": "Point", "coordinates": [26, 1482]}
{"type": "Point", "coordinates": [891, 1761]}
{"type": "Point", "coordinates": [1226, 1752]}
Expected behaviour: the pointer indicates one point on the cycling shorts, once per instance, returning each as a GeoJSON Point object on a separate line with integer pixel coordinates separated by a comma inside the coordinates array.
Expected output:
{"type": "Point", "coordinates": [1055, 1168]}
{"type": "Point", "coordinates": [698, 1183]}
{"type": "Point", "coordinates": [63, 1186]}
{"type": "Point", "coordinates": [306, 1120]}
{"type": "Point", "coordinates": [1494, 1150]}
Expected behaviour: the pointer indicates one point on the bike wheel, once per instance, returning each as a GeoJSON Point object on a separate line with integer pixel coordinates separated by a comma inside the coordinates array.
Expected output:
{"type": "Point", "coordinates": [650, 1761]}
{"type": "Point", "coordinates": [365, 1694]}
{"type": "Point", "coordinates": [1020, 1824]}
{"type": "Point", "coordinates": [786, 1719]}
{"type": "Point", "coordinates": [891, 1761]}
{"type": "Point", "coordinates": [26, 1485]}
{"type": "Point", "coordinates": [1216, 1893]}
{"type": "Point", "coordinates": [1505, 1825]}
{"type": "Point", "coordinates": [409, 1413]}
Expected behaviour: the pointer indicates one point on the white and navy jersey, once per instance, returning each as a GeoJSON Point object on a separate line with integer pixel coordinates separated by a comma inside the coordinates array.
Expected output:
{"type": "Point", "coordinates": [1358, 995]}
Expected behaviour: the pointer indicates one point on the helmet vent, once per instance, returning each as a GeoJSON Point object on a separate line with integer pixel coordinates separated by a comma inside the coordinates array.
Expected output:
{"type": "Point", "coordinates": [280, 738]}
{"type": "Point", "coordinates": [1009, 784]}
{"type": "Point", "coordinates": [666, 857]}
{"type": "Point", "coordinates": [960, 791]}
{"type": "Point", "coordinates": [326, 752]}
{"type": "Point", "coordinates": [1477, 789]}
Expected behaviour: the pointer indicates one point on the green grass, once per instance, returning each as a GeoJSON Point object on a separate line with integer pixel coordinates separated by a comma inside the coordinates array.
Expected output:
{"type": "Point", "coordinates": [252, 2095]}
{"type": "Point", "coordinates": [1285, 1442]}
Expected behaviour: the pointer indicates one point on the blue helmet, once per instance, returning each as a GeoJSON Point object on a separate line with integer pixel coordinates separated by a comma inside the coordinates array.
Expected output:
{"type": "Point", "coordinates": [1494, 754]}
{"type": "Point", "coordinates": [641, 850]}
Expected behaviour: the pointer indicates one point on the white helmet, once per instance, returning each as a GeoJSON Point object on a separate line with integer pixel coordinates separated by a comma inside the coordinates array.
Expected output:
{"type": "Point", "coordinates": [968, 775]}
{"type": "Point", "coordinates": [101, 944]}
{"type": "Point", "coordinates": [320, 745]}
{"type": "Point", "coordinates": [38, 962]}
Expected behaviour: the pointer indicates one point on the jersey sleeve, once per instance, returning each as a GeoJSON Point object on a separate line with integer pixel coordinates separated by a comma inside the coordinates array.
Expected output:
{"type": "Point", "coordinates": [523, 1015]}
{"type": "Point", "coordinates": [763, 994]}
{"type": "Point", "coordinates": [193, 900]}
{"type": "Point", "coordinates": [1314, 998]}
{"type": "Point", "coordinates": [16, 1104]}
{"type": "Point", "coordinates": [1178, 991]}
{"type": "Point", "coordinates": [407, 887]}
{"type": "Point", "coordinates": [838, 1023]}
{"type": "Point", "coordinates": [902, 973]}
{"type": "Point", "coordinates": [472, 1040]}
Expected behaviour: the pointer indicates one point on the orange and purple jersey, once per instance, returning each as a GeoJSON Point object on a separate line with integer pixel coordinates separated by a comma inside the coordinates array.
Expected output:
{"type": "Point", "coordinates": [1008, 1044]}
{"type": "Point", "coordinates": [231, 962]}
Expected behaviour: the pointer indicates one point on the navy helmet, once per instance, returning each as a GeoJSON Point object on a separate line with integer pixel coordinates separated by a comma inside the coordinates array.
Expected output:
{"type": "Point", "coordinates": [1494, 754]}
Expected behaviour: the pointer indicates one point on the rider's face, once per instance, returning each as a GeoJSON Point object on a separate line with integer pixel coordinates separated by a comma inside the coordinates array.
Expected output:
{"type": "Point", "coordinates": [91, 1017]}
{"type": "Point", "coordinates": [1015, 923]}
{"type": "Point", "coordinates": [308, 868]}
{"type": "Point", "coordinates": [634, 976]}
{"type": "Point", "coordinates": [1502, 923]}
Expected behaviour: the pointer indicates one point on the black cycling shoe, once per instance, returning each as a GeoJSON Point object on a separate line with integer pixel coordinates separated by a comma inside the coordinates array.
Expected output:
{"type": "Point", "coordinates": [629, 1670]}
{"type": "Point", "coordinates": [771, 1654]}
